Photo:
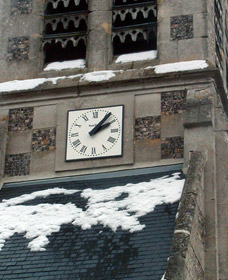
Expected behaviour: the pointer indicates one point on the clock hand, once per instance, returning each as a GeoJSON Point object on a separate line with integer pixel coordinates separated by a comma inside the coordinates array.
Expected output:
{"type": "Point", "coordinates": [99, 125]}
{"type": "Point", "coordinates": [103, 126]}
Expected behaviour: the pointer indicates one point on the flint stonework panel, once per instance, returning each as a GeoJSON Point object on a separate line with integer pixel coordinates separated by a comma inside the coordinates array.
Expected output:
{"type": "Point", "coordinates": [173, 102]}
{"type": "Point", "coordinates": [17, 165]}
{"type": "Point", "coordinates": [181, 27]}
{"type": "Point", "coordinates": [148, 128]}
{"type": "Point", "coordinates": [18, 48]}
{"type": "Point", "coordinates": [20, 119]}
{"type": "Point", "coordinates": [21, 7]}
{"type": "Point", "coordinates": [172, 147]}
{"type": "Point", "coordinates": [43, 140]}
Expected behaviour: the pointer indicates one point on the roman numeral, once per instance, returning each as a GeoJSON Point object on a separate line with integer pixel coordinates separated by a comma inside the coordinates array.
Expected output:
{"type": "Point", "coordinates": [78, 125]}
{"type": "Point", "coordinates": [95, 115]}
{"type": "Point", "coordinates": [76, 142]}
{"type": "Point", "coordinates": [85, 118]}
{"type": "Point", "coordinates": [93, 151]}
{"type": "Point", "coordinates": [74, 134]}
{"type": "Point", "coordinates": [104, 148]}
{"type": "Point", "coordinates": [114, 130]}
{"type": "Point", "coordinates": [112, 121]}
{"type": "Point", "coordinates": [83, 149]}
{"type": "Point", "coordinates": [111, 139]}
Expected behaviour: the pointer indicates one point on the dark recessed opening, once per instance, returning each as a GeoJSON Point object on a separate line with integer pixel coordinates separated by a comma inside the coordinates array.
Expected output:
{"type": "Point", "coordinates": [130, 46]}
{"type": "Point", "coordinates": [55, 52]}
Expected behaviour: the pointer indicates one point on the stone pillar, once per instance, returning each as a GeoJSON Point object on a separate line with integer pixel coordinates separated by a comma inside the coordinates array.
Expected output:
{"type": "Point", "coordinates": [199, 136]}
{"type": "Point", "coordinates": [99, 46]}
{"type": "Point", "coordinates": [3, 141]}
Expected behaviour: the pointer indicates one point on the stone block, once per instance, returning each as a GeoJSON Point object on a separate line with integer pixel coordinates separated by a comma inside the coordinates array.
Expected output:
{"type": "Point", "coordinates": [148, 128]}
{"type": "Point", "coordinates": [200, 25]}
{"type": "Point", "coordinates": [198, 49]}
{"type": "Point", "coordinates": [43, 139]}
{"type": "Point", "coordinates": [21, 7]}
{"type": "Point", "coordinates": [147, 150]}
{"type": "Point", "coordinates": [17, 165]}
{"type": "Point", "coordinates": [101, 5]}
{"type": "Point", "coordinates": [44, 116]}
{"type": "Point", "coordinates": [173, 102]}
{"type": "Point", "coordinates": [172, 147]}
{"type": "Point", "coordinates": [172, 125]}
{"type": "Point", "coordinates": [167, 51]}
{"type": "Point", "coordinates": [18, 48]}
{"type": "Point", "coordinates": [181, 27]}
{"type": "Point", "coordinates": [19, 142]}
{"type": "Point", "coordinates": [20, 119]}
{"type": "Point", "coordinates": [42, 163]}
{"type": "Point", "coordinates": [192, 266]}
{"type": "Point", "coordinates": [147, 105]}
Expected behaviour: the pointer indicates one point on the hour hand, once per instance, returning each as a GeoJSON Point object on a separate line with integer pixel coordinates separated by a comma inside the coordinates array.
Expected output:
{"type": "Point", "coordinates": [99, 125]}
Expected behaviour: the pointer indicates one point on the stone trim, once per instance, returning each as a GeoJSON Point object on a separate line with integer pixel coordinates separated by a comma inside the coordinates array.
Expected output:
{"type": "Point", "coordinates": [187, 253]}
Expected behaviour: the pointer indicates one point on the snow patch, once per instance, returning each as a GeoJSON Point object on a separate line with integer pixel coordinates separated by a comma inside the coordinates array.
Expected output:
{"type": "Point", "coordinates": [149, 55]}
{"type": "Point", "coordinates": [163, 277]}
{"type": "Point", "coordinates": [18, 85]}
{"type": "Point", "coordinates": [180, 66]}
{"type": "Point", "coordinates": [70, 64]}
{"type": "Point", "coordinates": [103, 207]}
{"type": "Point", "coordinates": [182, 231]}
{"type": "Point", "coordinates": [98, 76]}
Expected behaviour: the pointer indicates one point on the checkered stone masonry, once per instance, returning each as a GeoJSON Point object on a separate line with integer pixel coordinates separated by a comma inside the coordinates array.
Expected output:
{"type": "Point", "coordinates": [17, 165]}
{"type": "Point", "coordinates": [21, 7]}
{"type": "Point", "coordinates": [43, 139]}
{"type": "Point", "coordinates": [172, 147]}
{"type": "Point", "coordinates": [173, 102]}
{"type": "Point", "coordinates": [147, 128]}
{"type": "Point", "coordinates": [18, 48]}
{"type": "Point", "coordinates": [20, 119]}
{"type": "Point", "coordinates": [181, 27]}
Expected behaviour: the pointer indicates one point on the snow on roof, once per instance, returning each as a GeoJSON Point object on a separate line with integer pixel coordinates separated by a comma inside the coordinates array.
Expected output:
{"type": "Point", "coordinates": [104, 206]}
{"type": "Point", "coordinates": [180, 66]}
{"type": "Point", "coordinates": [148, 55]}
{"type": "Point", "coordinates": [69, 64]}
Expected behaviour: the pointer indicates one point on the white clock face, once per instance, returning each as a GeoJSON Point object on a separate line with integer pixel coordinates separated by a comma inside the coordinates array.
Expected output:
{"type": "Point", "coordinates": [94, 133]}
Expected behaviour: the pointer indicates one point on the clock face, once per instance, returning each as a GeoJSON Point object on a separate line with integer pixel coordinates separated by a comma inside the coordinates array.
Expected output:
{"type": "Point", "coordinates": [95, 133]}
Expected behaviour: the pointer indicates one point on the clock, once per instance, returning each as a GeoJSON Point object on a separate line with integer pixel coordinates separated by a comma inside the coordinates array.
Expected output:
{"type": "Point", "coordinates": [95, 133]}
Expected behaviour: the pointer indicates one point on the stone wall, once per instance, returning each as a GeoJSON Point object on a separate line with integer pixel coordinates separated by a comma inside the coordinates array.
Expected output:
{"type": "Point", "coordinates": [187, 258]}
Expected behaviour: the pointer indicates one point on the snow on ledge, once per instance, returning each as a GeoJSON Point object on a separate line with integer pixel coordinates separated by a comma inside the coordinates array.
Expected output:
{"type": "Point", "coordinates": [140, 56]}
{"type": "Point", "coordinates": [98, 76]}
{"type": "Point", "coordinates": [18, 85]}
{"type": "Point", "coordinates": [69, 64]}
{"type": "Point", "coordinates": [104, 207]}
{"type": "Point", "coordinates": [180, 66]}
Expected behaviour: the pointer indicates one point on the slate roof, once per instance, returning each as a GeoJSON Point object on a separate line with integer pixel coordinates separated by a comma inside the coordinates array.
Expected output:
{"type": "Point", "coordinates": [94, 254]}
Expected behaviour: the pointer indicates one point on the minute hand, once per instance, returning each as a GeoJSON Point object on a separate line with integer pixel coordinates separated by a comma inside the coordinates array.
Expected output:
{"type": "Point", "coordinates": [97, 127]}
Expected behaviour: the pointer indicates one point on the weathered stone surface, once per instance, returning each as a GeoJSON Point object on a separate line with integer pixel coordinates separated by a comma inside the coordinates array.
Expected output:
{"type": "Point", "coordinates": [181, 27]}
{"type": "Point", "coordinates": [17, 165]}
{"type": "Point", "coordinates": [43, 139]}
{"type": "Point", "coordinates": [172, 147]}
{"type": "Point", "coordinates": [20, 119]}
{"type": "Point", "coordinates": [187, 252]}
{"type": "Point", "coordinates": [148, 128]}
{"type": "Point", "coordinates": [147, 150]}
{"type": "Point", "coordinates": [21, 7]}
{"type": "Point", "coordinates": [173, 102]}
{"type": "Point", "coordinates": [172, 125]}
{"type": "Point", "coordinates": [18, 48]}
